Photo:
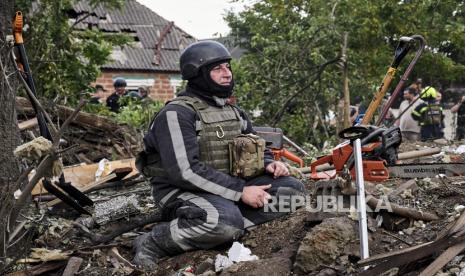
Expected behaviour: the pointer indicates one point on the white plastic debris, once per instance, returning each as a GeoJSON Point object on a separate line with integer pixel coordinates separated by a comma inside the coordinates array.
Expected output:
{"type": "Point", "coordinates": [222, 262]}
{"type": "Point", "coordinates": [104, 168]}
{"type": "Point", "coordinates": [459, 208]}
{"type": "Point", "coordinates": [17, 194]}
{"type": "Point", "coordinates": [460, 149]}
{"type": "Point", "coordinates": [239, 253]}
{"type": "Point", "coordinates": [353, 215]}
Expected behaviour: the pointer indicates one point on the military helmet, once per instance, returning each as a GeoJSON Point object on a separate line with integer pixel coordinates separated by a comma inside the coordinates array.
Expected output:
{"type": "Point", "coordinates": [119, 82]}
{"type": "Point", "coordinates": [200, 54]}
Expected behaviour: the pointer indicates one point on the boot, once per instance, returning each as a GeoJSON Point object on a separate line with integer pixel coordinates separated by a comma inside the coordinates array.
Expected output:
{"type": "Point", "coordinates": [146, 252]}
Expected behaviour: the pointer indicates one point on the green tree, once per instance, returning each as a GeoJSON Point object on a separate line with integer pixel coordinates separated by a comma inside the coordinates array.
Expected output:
{"type": "Point", "coordinates": [65, 59]}
{"type": "Point", "coordinates": [290, 72]}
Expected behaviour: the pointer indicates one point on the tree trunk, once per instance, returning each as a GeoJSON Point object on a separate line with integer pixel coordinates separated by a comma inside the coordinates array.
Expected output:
{"type": "Point", "coordinates": [345, 74]}
{"type": "Point", "coordinates": [9, 133]}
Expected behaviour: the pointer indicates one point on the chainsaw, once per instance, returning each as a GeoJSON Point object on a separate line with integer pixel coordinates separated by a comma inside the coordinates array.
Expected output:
{"type": "Point", "coordinates": [379, 153]}
{"type": "Point", "coordinates": [380, 158]}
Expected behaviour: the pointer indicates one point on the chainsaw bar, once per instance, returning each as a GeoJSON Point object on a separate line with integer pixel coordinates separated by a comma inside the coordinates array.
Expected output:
{"type": "Point", "coordinates": [426, 170]}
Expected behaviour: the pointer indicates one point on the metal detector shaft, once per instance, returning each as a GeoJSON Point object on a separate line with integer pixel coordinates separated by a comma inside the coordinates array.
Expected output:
{"type": "Point", "coordinates": [361, 203]}
{"type": "Point", "coordinates": [401, 51]}
{"type": "Point", "coordinates": [26, 72]}
{"type": "Point", "coordinates": [403, 79]}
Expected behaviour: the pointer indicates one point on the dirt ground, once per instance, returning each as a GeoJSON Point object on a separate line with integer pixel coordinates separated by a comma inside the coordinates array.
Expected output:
{"type": "Point", "coordinates": [305, 242]}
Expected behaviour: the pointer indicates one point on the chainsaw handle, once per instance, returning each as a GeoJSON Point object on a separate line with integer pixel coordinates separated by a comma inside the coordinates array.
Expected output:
{"type": "Point", "coordinates": [278, 153]}
{"type": "Point", "coordinates": [328, 159]}
{"type": "Point", "coordinates": [18, 27]}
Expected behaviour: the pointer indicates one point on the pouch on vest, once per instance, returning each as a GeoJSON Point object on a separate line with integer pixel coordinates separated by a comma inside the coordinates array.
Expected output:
{"type": "Point", "coordinates": [149, 164]}
{"type": "Point", "coordinates": [247, 153]}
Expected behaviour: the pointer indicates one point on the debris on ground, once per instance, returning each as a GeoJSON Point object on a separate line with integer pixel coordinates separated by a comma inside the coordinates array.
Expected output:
{"type": "Point", "coordinates": [424, 231]}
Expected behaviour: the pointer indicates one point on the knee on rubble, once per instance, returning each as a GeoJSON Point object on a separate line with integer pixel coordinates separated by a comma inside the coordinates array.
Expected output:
{"type": "Point", "coordinates": [229, 228]}
{"type": "Point", "coordinates": [225, 233]}
{"type": "Point", "coordinates": [290, 186]}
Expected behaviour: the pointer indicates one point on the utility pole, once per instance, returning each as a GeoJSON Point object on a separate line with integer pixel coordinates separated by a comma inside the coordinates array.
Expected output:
{"type": "Point", "coordinates": [345, 77]}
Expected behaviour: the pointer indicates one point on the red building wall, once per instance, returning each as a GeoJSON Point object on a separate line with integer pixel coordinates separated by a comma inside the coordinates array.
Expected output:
{"type": "Point", "coordinates": [161, 89]}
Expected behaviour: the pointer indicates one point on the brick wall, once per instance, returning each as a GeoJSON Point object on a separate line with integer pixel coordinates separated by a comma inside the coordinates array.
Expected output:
{"type": "Point", "coordinates": [160, 90]}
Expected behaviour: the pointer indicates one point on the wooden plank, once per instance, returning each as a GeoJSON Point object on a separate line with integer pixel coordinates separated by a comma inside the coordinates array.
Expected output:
{"type": "Point", "coordinates": [85, 188]}
{"type": "Point", "coordinates": [28, 124]}
{"type": "Point", "coordinates": [443, 259]}
{"type": "Point", "coordinates": [84, 174]}
{"type": "Point", "coordinates": [384, 262]}
{"type": "Point", "coordinates": [453, 237]}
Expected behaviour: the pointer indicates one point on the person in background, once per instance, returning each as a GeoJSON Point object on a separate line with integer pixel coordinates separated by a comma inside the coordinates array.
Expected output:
{"type": "Point", "coordinates": [459, 108]}
{"type": "Point", "coordinates": [97, 96]}
{"type": "Point", "coordinates": [429, 115]}
{"type": "Point", "coordinates": [120, 90]}
{"type": "Point", "coordinates": [143, 92]}
{"type": "Point", "coordinates": [438, 97]}
{"type": "Point", "coordinates": [417, 85]}
{"type": "Point", "coordinates": [134, 94]}
{"type": "Point", "coordinates": [408, 126]}
{"type": "Point", "coordinates": [360, 110]}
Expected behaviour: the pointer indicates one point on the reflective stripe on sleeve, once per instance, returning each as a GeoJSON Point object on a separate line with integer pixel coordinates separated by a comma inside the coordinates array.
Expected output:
{"type": "Point", "coordinates": [183, 163]}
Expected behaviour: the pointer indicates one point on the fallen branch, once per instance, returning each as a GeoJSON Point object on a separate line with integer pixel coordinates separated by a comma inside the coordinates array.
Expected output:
{"type": "Point", "coordinates": [67, 122]}
{"type": "Point", "coordinates": [124, 227]}
{"type": "Point", "coordinates": [375, 203]}
{"type": "Point", "coordinates": [400, 210]}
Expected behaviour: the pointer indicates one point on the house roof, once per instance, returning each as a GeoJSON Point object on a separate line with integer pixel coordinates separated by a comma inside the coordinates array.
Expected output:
{"type": "Point", "coordinates": [148, 30]}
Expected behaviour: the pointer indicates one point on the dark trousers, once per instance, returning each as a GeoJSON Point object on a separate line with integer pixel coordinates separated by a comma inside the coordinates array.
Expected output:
{"type": "Point", "coordinates": [460, 132]}
{"type": "Point", "coordinates": [204, 220]}
{"type": "Point", "coordinates": [431, 132]}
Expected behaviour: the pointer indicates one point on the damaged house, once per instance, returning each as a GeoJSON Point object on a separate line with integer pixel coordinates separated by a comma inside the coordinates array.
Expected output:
{"type": "Point", "coordinates": [151, 60]}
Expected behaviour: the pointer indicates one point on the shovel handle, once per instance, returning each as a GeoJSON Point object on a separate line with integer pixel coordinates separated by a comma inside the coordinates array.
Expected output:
{"type": "Point", "coordinates": [379, 95]}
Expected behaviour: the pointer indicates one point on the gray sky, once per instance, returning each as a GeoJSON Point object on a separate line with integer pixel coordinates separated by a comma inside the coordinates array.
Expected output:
{"type": "Point", "coordinates": [200, 18]}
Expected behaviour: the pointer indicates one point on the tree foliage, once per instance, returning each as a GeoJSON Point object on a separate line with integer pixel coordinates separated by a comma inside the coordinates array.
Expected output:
{"type": "Point", "coordinates": [291, 71]}
{"type": "Point", "coordinates": [64, 59]}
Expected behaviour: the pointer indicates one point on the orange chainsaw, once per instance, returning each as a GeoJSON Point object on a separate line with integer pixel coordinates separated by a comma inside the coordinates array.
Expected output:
{"type": "Point", "coordinates": [379, 149]}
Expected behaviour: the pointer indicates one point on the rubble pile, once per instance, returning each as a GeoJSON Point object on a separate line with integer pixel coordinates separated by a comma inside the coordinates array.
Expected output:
{"type": "Point", "coordinates": [89, 138]}
{"type": "Point", "coordinates": [422, 231]}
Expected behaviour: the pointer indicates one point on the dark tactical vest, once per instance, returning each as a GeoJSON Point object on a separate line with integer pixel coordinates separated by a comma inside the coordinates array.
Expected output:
{"type": "Point", "coordinates": [431, 115]}
{"type": "Point", "coordinates": [216, 128]}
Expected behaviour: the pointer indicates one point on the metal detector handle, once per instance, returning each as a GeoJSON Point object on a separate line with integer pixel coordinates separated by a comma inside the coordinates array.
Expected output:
{"type": "Point", "coordinates": [404, 78]}
{"type": "Point", "coordinates": [27, 75]}
{"type": "Point", "coordinates": [401, 51]}
{"type": "Point", "coordinates": [43, 128]}
{"type": "Point", "coordinates": [361, 202]}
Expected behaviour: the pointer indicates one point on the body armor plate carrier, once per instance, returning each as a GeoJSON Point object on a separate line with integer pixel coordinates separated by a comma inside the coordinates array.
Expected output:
{"type": "Point", "coordinates": [216, 129]}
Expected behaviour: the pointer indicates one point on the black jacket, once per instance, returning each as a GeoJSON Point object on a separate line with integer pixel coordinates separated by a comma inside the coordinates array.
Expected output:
{"type": "Point", "coordinates": [113, 102]}
{"type": "Point", "coordinates": [172, 134]}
